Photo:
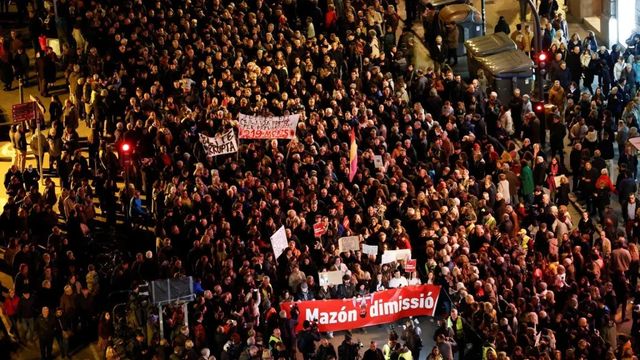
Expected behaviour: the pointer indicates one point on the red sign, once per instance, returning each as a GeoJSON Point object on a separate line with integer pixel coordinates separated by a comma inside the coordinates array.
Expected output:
{"type": "Point", "coordinates": [381, 307]}
{"type": "Point", "coordinates": [319, 229]}
{"type": "Point", "coordinates": [266, 134]}
{"type": "Point", "coordinates": [23, 112]}
{"type": "Point", "coordinates": [267, 127]}
{"type": "Point", "coordinates": [411, 265]}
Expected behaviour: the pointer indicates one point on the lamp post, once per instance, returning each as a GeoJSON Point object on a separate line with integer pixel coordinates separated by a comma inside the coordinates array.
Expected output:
{"type": "Point", "coordinates": [537, 44]}
{"type": "Point", "coordinates": [483, 6]}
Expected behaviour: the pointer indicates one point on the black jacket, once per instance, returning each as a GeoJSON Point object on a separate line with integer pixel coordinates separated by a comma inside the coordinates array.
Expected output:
{"type": "Point", "coordinates": [45, 327]}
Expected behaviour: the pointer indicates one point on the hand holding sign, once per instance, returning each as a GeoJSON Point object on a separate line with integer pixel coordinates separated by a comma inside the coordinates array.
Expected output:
{"type": "Point", "coordinates": [349, 243]}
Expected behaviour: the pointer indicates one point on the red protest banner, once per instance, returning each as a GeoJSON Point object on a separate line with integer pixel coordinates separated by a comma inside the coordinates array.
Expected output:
{"type": "Point", "coordinates": [381, 307]}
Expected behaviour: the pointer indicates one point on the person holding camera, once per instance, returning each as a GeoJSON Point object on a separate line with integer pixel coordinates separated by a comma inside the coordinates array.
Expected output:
{"type": "Point", "coordinates": [306, 339]}
{"type": "Point", "coordinates": [349, 350]}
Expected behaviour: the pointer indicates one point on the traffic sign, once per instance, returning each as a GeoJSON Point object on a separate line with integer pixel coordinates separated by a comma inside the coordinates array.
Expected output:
{"type": "Point", "coordinates": [23, 112]}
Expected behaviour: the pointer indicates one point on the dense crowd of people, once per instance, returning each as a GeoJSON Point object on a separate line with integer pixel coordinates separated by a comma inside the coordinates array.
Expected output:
{"type": "Point", "coordinates": [473, 185]}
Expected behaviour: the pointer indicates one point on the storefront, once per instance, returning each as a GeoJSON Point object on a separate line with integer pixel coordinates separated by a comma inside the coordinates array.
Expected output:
{"type": "Point", "coordinates": [619, 19]}
{"type": "Point", "coordinates": [613, 21]}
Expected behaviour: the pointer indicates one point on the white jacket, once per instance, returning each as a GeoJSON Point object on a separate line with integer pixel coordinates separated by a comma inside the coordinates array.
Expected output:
{"type": "Point", "coordinates": [507, 122]}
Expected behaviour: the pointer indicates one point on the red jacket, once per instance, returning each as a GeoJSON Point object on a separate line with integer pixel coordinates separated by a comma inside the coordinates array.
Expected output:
{"type": "Point", "coordinates": [330, 19]}
{"type": "Point", "coordinates": [606, 181]}
{"type": "Point", "coordinates": [11, 305]}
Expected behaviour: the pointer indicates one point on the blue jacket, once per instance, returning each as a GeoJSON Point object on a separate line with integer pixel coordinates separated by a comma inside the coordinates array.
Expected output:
{"type": "Point", "coordinates": [135, 207]}
{"type": "Point", "coordinates": [636, 68]}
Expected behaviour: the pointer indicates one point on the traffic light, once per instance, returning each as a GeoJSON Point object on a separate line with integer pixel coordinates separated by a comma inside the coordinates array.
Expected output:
{"type": "Point", "coordinates": [126, 151]}
{"type": "Point", "coordinates": [538, 109]}
{"type": "Point", "coordinates": [541, 59]}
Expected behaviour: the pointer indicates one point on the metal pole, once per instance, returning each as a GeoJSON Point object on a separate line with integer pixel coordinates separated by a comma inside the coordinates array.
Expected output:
{"type": "Point", "coordinates": [537, 45]}
{"type": "Point", "coordinates": [160, 321]}
{"type": "Point", "coordinates": [40, 152]}
{"type": "Point", "coordinates": [55, 10]}
{"type": "Point", "coordinates": [483, 6]}
{"type": "Point", "coordinates": [185, 311]}
{"type": "Point", "coordinates": [20, 84]}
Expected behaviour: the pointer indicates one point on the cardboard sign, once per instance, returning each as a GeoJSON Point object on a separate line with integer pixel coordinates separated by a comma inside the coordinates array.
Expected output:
{"type": "Point", "coordinates": [411, 265]}
{"type": "Point", "coordinates": [279, 242]}
{"type": "Point", "coordinates": [387, 258]}
{"type": "Point", "coordinates": [330, 277]}
{"type": "Point", "coordinates": [377, 161]}
{"type": "Point", "coordinates": [349, 243]}
{"type": "Point", "coordinates": [402, 254]}
{"type": "Point", "coordinates": [319, 229]}
{"type": "Point", "coordinates": [370, 249]}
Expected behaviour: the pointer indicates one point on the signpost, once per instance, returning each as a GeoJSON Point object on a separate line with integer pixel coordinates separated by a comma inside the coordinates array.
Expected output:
{"type": "Point", "coordinates": [23, 112]}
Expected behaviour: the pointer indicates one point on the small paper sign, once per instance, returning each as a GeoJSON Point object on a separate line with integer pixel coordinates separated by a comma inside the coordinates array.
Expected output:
{"type": "Point", "coordinates": [556, 180]}
{"type": "Point", "coordinates": [349, 243]}
{"type": "Point", "coordinates": [377, 161]}
{"type": "Point", "coordinates": [330, 277]}
{"type": "Point", "coordinates": [370, 249]}
{"type": "Point", "coordinates": [411, 265]}
{"type": "Point", "coordinates": [319, 229]}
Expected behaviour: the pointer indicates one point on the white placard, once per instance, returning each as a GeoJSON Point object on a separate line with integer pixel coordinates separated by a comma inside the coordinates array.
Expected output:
{"type": "Point", "coordinates": [330, 277]}
{"type": "Point", "coordinates": [220, 144]}
{"type": "Point", "coordinates": [377, 161]}
{"type": "Point", "coordinates": [370, 249]}
{"type": "Point", "coordinates": [348, 243]}
{"type": "Point", "coordinates": [279, 242]}
{"type": "Point", "coordinates": [388, 257]}
{"type": "Point", "coordinates": [402, 254]}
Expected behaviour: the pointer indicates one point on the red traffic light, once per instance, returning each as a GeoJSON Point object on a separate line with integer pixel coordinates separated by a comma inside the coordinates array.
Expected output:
{"type": "Point", "coordinates": [125, 147]}
{"type": "Point", "coordinates": [542, 57]}
{"type": "Point", "coordinates": [539, 107]}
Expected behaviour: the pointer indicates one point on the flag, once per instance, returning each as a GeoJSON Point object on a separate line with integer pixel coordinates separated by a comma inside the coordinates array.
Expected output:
{"type": "Point", "coordinates": [353, 156]}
